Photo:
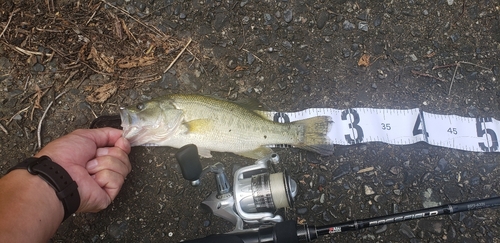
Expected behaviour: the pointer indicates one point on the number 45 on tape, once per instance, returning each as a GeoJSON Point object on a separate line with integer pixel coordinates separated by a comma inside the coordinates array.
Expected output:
{"type": "Point", "coordinates": [400, 127]}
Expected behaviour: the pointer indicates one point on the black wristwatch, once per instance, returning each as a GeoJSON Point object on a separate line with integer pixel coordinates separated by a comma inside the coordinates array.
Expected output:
{"type": "Point", "coordinates": [58, 178]}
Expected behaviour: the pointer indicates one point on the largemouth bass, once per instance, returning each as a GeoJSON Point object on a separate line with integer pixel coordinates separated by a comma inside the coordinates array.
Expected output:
{"type": "Point", "coordinates": [217, 125]}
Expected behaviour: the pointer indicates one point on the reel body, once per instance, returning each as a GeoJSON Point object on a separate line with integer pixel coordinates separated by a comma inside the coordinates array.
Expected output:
{"type": "Point", "coordinates": [256, 193]}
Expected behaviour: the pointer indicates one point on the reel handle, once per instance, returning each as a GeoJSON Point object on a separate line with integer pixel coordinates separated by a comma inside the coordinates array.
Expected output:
{"type": "Point", "coordinates": [190, 164]}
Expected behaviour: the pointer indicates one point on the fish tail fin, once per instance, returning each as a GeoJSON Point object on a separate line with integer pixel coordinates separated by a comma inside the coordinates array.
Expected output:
{"type": "Point", "coordinates": [315, 135]}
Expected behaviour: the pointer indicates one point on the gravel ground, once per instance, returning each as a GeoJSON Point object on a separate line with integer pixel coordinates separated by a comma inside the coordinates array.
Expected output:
{"type": "Point", "coordinates": [290, 55]}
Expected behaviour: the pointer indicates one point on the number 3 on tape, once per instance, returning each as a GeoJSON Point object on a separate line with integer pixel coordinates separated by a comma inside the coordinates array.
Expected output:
{"type": "Point", "coordinates": [401, 127]}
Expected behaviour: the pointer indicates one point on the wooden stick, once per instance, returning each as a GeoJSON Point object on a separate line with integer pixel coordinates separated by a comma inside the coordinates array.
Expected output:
{"type": "Point", "coordinates": [19, 112]}
{"type": "Point", "coordinates": [152, 29]}
{"type": "Point", "coordinates": [8, 22]}
{"type": "Point", "coordinates": [39, 128]}
{"type": "Point", "coordinates": [3, 129]}
{"type": "Point", "coordinates": [177, 57]}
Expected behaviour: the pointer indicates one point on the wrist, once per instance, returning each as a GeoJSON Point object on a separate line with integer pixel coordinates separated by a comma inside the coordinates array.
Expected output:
{"type": "Point", "coordinates": [56, 177]}
{"type": "Point", "coordinates": [31, 212]}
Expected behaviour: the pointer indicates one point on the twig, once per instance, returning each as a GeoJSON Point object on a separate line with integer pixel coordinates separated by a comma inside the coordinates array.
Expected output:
{"type": "Point", "coordinates": [179, 55]}
{"type": "Point", "coordinates": [29, 53]}
{"type": "Point", "coordinates": [8, 22]}
{"type": "Point", "coordinates": [152, 29]}
{"type": "Point", "coordinates": [39, 128]}
{"type": "Point", "coordinates": [69, 77]}
{"type": "Point", "coordinates": [473, 65]}
{"type": "Point", "coordinates": [3, 129]}
{"type": "Point", "coordinates": [244, 37]}
{"type": "Point", "coordinates": [427, 75]}
{"type": "Point", "coordinates": [48, 30]}
{"type": "Point", "coordinates": [457, 64]}
{"type": "Point", "coordinates": [254, 55]}
{"type": "Point", "coordinates": [91, 17]}
{"type": "Point", "coordinates": [93, 113]}
{"type": "Point", "coordinates": [19, 112]}
{"type": "Point", "coordinates": [453, 79]}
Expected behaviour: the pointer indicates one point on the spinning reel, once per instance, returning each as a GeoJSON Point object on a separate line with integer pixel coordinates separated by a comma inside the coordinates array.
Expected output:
{"type": "Point", "coordinates": [255, 195]}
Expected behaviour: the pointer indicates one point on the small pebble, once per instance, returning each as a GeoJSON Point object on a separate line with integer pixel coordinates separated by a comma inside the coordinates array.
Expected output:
{"type": "Point", "coordinates": [363, 25]}
{"type": "Point", "coordinates": [454, 37]}
{"type": "Point", "coordinates": [288, 15]}
{"type": "Point", "coordinates": [413, 57]}
{"type": "Point", "coordinates": [302, 210]}
{"type": "Point", "coordinates": [404, 229]}
{"type": "Point", "coordinates": [38, 67]}
{"type": "Point", "coordinates": [381, 229]}
{"type": "Point", "coordinates": [348, 25]}
{"type": "Point", "coordinates": [250, 58]}
{"type": "Point", "coordinates": [389, 182]}
{"type": "Point", "coordinates": [369, 190]}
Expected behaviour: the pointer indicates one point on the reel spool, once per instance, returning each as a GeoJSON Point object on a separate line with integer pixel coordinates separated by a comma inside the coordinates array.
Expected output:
{"type": "Point", "coordinates": [259, 194]}
{"type": "Point", "coordinates": [268, 193]}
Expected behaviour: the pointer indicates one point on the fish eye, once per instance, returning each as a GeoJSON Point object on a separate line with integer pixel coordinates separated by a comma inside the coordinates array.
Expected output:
{"type": "Point", "coordinates": [140, 106]}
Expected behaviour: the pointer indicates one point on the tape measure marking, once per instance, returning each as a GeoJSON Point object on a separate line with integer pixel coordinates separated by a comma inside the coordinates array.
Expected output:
{"type": "Point", "coordinates": [402, 127]}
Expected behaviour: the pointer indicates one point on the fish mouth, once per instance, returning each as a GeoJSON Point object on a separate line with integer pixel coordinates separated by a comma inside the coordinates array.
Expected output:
{"type": "Point", "coordinates": [127, 117]}
{"type": "Point", "coordinates": [130, 122]}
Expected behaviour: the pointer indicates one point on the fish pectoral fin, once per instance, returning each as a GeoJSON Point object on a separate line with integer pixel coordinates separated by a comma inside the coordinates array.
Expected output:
{"type": "Point", "coordinates": [204, 152]}
{"type": "Point", "coordinates": [199, 125]}
{"type": "Point", "coordinates": [259, 153]}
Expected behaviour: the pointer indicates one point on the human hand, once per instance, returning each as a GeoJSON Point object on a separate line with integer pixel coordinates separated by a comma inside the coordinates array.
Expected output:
{"type": "Point", "coordinates": [97, 159]}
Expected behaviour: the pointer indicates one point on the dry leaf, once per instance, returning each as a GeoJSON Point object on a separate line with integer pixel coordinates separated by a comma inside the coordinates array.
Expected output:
{"type": "Point", "coordinates": [368, 169]}
{"type": "Point", "coordinates": [240, 68]}
{"type": "Point", "coordinates": [38, 97]}
{"type": "Point", "coordinates": [364, 61]}
{"type": "Point", "coordinates": [132, 62]}
{"type": "Point", "coordinates": [127, 30]}
{"type": "Point", "coordinates": [81, 53]}
{"type": "Point", "coordinates": [104, 62]}
{"type": "Point", "coordinates": [103, 93]}
{"type": "Point", "coordinates": [430, 55]}
{"type": "Point", "coordinates": [118, 26]}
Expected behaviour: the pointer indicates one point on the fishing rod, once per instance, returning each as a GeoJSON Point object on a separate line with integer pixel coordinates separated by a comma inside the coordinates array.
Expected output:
{"type": "Point", "coordinates": [256, 194]}
{"type": "Point", "coordinates": [290, 232]}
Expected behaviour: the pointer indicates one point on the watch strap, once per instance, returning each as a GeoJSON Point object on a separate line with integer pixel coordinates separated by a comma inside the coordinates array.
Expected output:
{"type": "Point", "coordinates": [57, 177]}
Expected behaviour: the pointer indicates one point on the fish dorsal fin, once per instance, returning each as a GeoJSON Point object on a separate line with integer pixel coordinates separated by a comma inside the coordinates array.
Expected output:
{"type": "Point", "coordinates": [251, 104]}
{"type": "Point", "coordinates": [254, 105]}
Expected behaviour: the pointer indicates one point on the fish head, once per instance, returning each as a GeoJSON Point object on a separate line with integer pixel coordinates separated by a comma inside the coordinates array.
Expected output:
{"type": "Point", "coordinates": [150, 123]}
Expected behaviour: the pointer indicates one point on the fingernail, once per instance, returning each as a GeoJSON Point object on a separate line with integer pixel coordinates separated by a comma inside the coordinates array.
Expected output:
{"type": "Point", "coordinates": [102, 151]}
{"type": "Point", "coordinates": [91, 164]}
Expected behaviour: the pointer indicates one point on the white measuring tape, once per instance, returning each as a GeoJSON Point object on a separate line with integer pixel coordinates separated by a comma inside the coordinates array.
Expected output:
{"type": "Point", "coordinates": [401, 127]}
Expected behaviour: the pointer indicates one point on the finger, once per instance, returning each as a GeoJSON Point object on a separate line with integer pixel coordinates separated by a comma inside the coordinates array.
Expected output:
{"type": "Point", "coordinates": [102, 137]}
{"type": "Point", "coordinates": [118, 153]}
{"type": "Point", "coordinates": [114, 159]}
{"type": "Point", "coordinates": [124, 144]}
{"type": "Point", "coordinates": [110, 181]}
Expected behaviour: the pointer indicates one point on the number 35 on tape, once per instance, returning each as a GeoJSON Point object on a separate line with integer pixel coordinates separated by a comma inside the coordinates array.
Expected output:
{"type": "Point", "coordinates": [400, 127]}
